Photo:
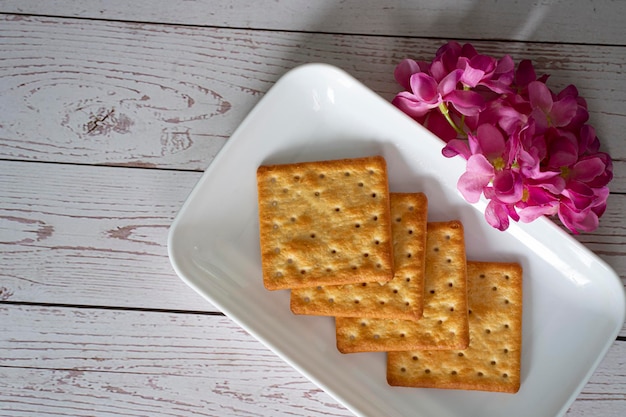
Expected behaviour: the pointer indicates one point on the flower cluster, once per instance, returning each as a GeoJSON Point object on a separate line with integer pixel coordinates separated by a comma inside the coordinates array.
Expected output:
{"type": "Point", "coordinates": [529, 150]}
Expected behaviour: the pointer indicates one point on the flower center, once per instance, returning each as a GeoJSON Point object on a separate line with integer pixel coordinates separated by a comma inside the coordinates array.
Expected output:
{"type": "Point", "coordinates": [525, 195]}
{"type": "Point", "coordinates": [498, 163]}
{"type": "Point", "coordinates": [565, 172]}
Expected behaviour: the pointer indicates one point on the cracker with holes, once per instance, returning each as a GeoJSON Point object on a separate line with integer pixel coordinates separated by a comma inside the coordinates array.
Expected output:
{"type": "Point", "coordinates": [399, 298]}
{"type": "Point", "coordinates": [492, 360]}
{"type": "Point", "coordinates": [444, 324]}
{"type": "Point", "coordinates": [325, 223]}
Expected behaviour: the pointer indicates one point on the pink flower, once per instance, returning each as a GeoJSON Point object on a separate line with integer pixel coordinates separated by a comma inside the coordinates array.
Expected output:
{"type": "Point", "coordinates": [497, 213]}
{"type": "Point", "coordinates": [491, 166]}
{"type": "Point", "coordinates": [538, 201]}
{"type": "Point", "coordinates": [427, 94]}
{"type": "Point", "coordinates": [582, 115]}
{"type": "Point", "coordinates": [546, 111]}
{"type": "Point", "coordinates": [529, 151]}
{"type": "Point", "coordinates": [484, 70]}
{"type": "Point", "coordinates": [478, 174]}
{"type": "Point", "coordinates": [581, 207]}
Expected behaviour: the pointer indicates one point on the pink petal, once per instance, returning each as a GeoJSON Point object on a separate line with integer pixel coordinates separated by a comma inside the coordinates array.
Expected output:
{"type": "Point", "coordinates": [605, 177]}
{"type": "Point", "coordinates": [451, 45]}
{"type": "Point", "coordinates": [563, 152]}
{"type": "Point", "coordinates": [497, 215]}
{"type": "Point", "coordinates": [476, 69]}
{"type": "Point", "coordinates": [539, 196]}
{"type": "Point", "coordinates": [548, 180]}
{"type": "Point", "coordinates": [438, 124]}
{"type": "Point", "coordinates": [580, 195]}
{"type": "Point", "coordinates": [468, 50]}
{"type": "Point", "coordinates": [540, 96]}
{"type": "Point", "coordinates": [579, 119]}
{"type": "Point", "coordinates": [450, 82]}
{"type": "Point", "coordinates": [581, 115]}
{"type": "Point", "coordinates": [500, 112]}
{"type": "Point", "coordinates": [471, 76]}
{"type": "Point", "coordinates": [438, 70]}
{"type": "Point", "coordinates": [424, 88]}
{"type": "Point", "coordinates": [575, 220]}
{"type": "Point", "coordinates": [512, 149]}
{"type": "Point", "coordinates": [529, 164]}
{"type": "Point", "coordinates": [599, 205]}
{"type": "Point", "coordinates": [525, 73]}
{"type": "Point", "coordinates": [563, 111]}
{"type": "Point", "coordinates": [587, 169]}
{"type": "Point", "coordinates": [588, 141]}
{"type": "Point", "coordinates": [484, 63]}
{"type": "Point", "coordinates": [502, 77]}
{"type": "Point", "coordinates": [468, 103]}
{"type": "Point", "coordinates": [508, 186]}
{"type": "Point", "coordinates": [506, 67]}
{"type": "Point", "coordinates": [532, 213]}
{"type": "Point", "coordinates": [448, 55]}
{"type": "Point", "coordinates": [569, 91]}
{"type": "Point", "coordinates": [540, 119]}
{"type": "Point", "coordinates": [407, 102]}
{"type": "Point", "coordinates": [473, 143]}
{"type": "Point", "coordinates": [478, 174]}
{"type": "Point", "coordinates": [490, 141]}
{"type": "Point", "coordinates": [456, 147]}
{"type": "Point", "coordinates": [403, 72]}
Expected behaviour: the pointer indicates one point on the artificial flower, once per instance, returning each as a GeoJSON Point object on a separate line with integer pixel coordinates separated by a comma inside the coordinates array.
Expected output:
{"type": "Point", "coordinates": [529, 151]}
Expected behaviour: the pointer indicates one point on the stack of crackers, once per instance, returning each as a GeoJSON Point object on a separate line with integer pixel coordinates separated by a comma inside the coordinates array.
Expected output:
{"type": "Point", "coordinates": [347, 247]}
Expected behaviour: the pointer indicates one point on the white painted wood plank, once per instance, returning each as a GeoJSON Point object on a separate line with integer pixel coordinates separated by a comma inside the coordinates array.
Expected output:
{"type": "Point", "coordinates": [65, 361]}
{"type": "Point", "coordinates": [48, 392]}
{"type": "Point", "coordinates": [170, 96]}
{"type": "Point", "coordinates": [580, 21]}
{"type": "Point", "coordinates": [82, 362]}
{"type": "Point", "coordinates": [98, 236]}
{"type": "Point", "coordinates": [91, 235]}
{"type": "Point", "coordinates": [126, 341]}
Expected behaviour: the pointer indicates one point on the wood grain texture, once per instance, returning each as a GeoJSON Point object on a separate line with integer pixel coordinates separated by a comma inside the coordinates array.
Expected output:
{"type": "Point", "coordinates": [143, 363]}
{"type": "Point", "coordinates": [62, 392]}
{"type": "Point", "coordinates": [153, 90]}
{"type": "Point", "coordinates": [93, 92]}
{"type": "Point", "coordinates": [91, 235]}
{"type": "Point", "coordinates": [551, 21]}
{"type": "Point", "coordinates": [82, 362]}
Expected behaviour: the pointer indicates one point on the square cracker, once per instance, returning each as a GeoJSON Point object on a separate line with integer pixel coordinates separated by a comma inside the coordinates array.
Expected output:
{"type": "Point", "coordinates": [325, 223]}
{"type": "Point", "coordinates": [444, 324]}
{"type": "Point", "coordinates": [492, 360]}
{"type": "Point", "coordinates": [402, 297]}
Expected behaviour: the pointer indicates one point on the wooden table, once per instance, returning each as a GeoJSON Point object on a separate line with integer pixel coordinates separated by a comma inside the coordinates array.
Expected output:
{"type": "Point", "coordinates": [109, 113]}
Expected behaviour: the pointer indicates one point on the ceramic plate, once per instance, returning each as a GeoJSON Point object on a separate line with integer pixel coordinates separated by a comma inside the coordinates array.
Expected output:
{"type": "Point", "coordinates": [573, 302]}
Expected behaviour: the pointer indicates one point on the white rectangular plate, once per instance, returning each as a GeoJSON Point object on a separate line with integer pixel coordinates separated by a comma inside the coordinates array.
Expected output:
{"type": "Point", "coordinates": [573, 302]}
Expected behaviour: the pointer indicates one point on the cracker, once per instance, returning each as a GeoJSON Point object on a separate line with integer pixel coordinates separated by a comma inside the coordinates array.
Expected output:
{"type": "Point", "coordinates": [402, 297]}
{"type": "Point", "coordinates": [325, 223]}
{"type": "Point", "coordinates": [444, 324]}
{"type": "Point", "coordinates": [492, 360]}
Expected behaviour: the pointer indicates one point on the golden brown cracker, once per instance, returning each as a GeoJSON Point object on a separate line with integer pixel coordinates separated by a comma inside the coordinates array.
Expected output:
{"type": "Point", "coordinates": [444, 324]}
{"type": "Point", "coordinates": [402, 297]}
{"type": "Point", "coordinates": [325, 223]}
{"type": "Point", "coordinates": [492, 361]}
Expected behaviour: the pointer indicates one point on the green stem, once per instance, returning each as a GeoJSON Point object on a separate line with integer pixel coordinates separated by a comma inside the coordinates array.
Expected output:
{"type": "Point", "coordinates": [446, 113]}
